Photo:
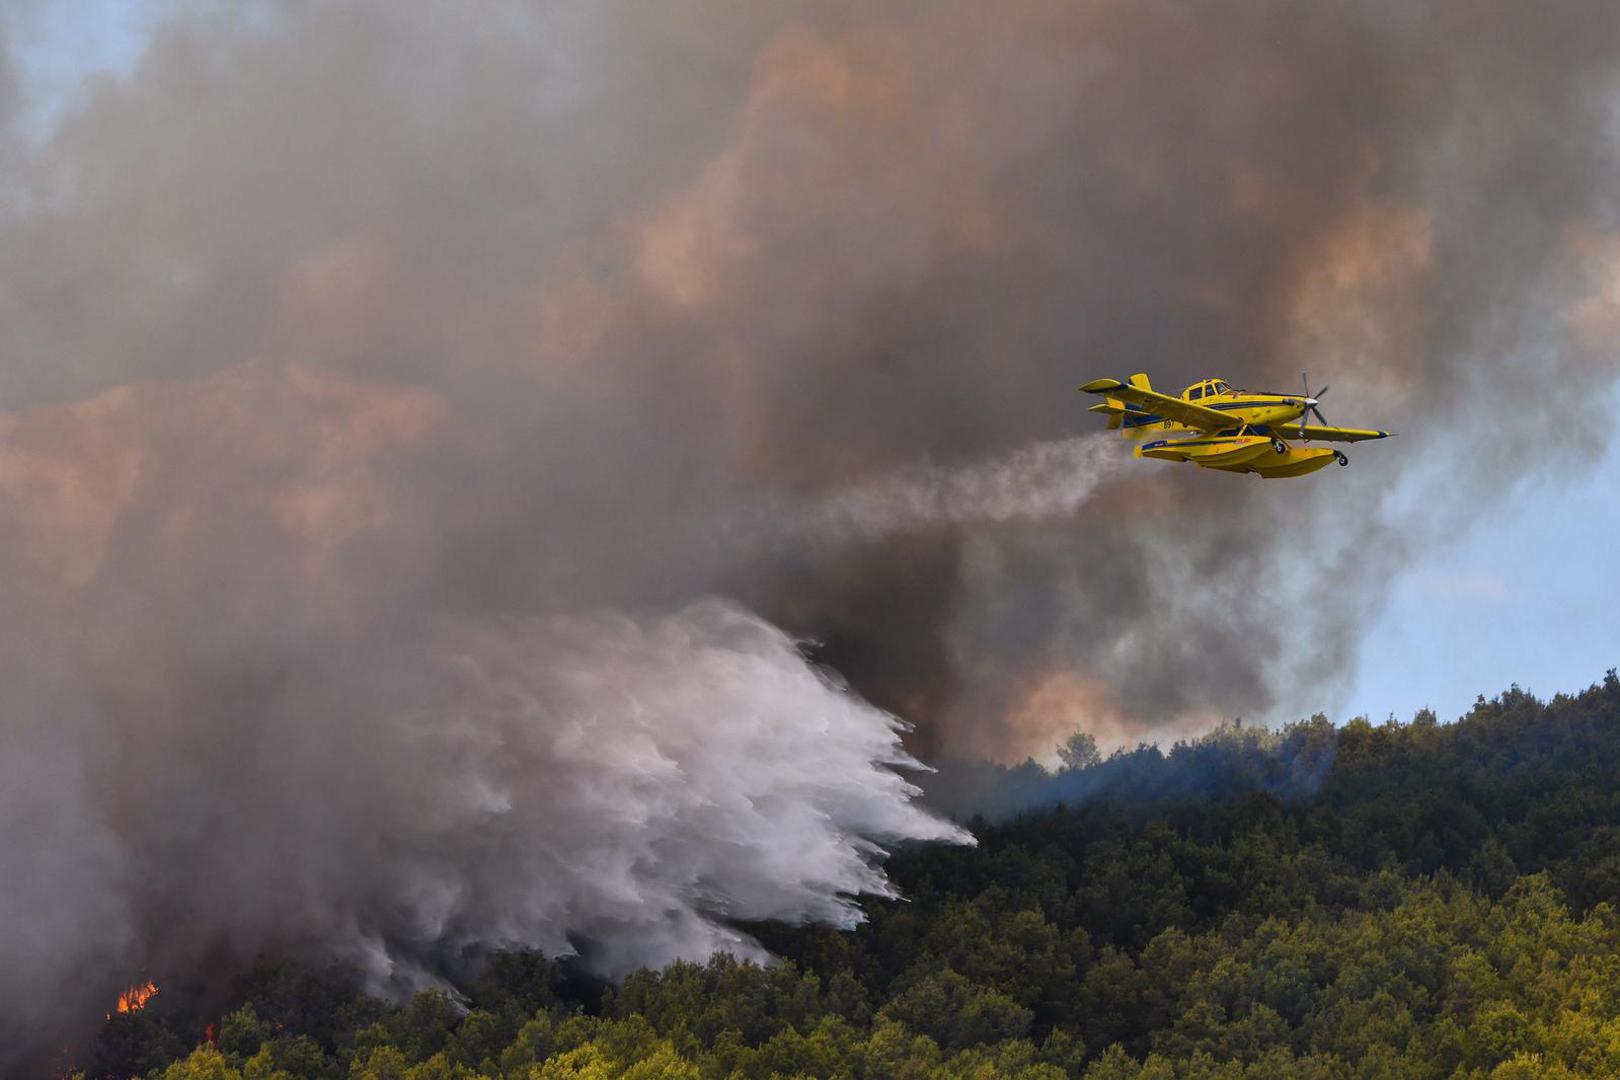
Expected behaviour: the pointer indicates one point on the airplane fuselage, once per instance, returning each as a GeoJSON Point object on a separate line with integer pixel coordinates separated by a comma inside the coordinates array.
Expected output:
{"type": "Point", "coordinates": [1244, 409]}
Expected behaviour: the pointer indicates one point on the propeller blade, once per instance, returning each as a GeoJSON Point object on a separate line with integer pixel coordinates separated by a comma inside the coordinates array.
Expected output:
{"type": "Point", "coordinates": [1319, 393]}
{"type": "Point", "coordinates": [1318, 414]}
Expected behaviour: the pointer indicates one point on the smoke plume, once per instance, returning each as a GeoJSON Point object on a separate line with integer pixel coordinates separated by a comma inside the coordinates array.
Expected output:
{"type": "Point", "coordinates": [366, 366]}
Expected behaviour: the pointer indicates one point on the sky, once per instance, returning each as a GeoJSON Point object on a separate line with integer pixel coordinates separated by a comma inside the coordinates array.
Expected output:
{"type": "Point", "coordinates": [61, 48]}
{"type": "Point", "coordinates": [1510, 600]}
{"type": "Point", "coordinates": [1527, 597]}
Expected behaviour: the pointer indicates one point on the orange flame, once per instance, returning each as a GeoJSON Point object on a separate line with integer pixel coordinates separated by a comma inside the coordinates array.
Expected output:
{"type": "Point", "coordinates": [135, 998]}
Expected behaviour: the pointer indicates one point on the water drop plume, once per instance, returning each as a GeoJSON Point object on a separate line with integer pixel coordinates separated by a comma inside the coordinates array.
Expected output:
{"type": "Point", "coordinates": [1040, 482]}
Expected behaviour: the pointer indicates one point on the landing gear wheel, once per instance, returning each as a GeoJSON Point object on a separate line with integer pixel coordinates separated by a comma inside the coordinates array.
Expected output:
{"type": "Point", "coordinates": [1343, 461]}
{"type": "Point", "coordinates": [1279, 446]}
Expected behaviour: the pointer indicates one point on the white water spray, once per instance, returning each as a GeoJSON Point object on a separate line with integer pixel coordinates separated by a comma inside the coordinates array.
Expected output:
{"type": "Point", "coordinates": [1042, 481]}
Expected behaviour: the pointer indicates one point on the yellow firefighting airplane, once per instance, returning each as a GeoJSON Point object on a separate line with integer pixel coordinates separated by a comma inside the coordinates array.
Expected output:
{"type": "Point", "coordinates": [1216, 427]}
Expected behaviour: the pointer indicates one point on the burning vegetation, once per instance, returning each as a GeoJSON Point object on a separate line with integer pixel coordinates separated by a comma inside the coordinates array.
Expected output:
{"type": "Point", "coordinates": [135, 998]}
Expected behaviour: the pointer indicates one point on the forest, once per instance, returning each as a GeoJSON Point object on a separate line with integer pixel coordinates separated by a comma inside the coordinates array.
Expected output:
{"type": "Point", "coordinates": [1416, 899]}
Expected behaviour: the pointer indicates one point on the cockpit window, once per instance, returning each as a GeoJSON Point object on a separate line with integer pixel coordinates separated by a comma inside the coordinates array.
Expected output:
{"type": "Point", "coordinates": [1196, 392]}
{"type": "Point", "coordinates": [1219, 387]}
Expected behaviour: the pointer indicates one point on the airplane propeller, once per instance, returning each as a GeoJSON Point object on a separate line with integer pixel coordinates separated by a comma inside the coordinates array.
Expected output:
{"type": "Point", "coordinates": [1310, 403]}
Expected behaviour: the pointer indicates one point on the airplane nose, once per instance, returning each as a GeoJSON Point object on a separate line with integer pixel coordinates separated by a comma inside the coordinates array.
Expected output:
{"type": "Point", "coordinates": [1311, 403]}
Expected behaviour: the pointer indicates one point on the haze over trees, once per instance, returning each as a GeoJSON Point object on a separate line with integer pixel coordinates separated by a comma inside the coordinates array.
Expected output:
{"type": "Point", "coordinates": [1401, 900]}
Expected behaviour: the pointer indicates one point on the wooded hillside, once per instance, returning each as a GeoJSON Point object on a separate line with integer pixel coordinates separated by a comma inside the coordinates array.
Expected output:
{"type": "Point", "coordinates": [1408, 900]}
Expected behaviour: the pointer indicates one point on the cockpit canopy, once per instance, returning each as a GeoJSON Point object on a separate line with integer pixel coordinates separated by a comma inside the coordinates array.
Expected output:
{"type": "Point", "coordinates": [1207, 388]}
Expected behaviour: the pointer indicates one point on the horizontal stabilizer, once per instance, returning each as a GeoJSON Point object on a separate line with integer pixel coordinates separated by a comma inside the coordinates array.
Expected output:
{"type": "Point", "coordinates": [1114, 409]}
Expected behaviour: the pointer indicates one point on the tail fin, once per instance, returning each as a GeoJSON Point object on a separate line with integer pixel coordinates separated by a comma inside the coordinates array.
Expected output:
{"type": "Point", "coordinates": [1116, 409]}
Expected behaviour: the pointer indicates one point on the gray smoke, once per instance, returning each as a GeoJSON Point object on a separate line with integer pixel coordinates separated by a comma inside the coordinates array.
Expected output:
{"type": "Point", "coordinates": [339, 342]}
{"type": "Point", "coordinates": [223, 739]}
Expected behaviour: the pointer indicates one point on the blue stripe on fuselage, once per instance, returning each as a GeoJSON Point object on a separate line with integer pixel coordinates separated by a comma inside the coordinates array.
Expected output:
{"type": "Point", "coordinates": [1178, 443]}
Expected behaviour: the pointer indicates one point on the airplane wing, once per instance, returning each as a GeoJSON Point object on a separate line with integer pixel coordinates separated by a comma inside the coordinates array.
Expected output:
{"type": "Point", "coordinates": [1162, 405]}
{"type": "Point", "coordinates": [1327, 434]}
